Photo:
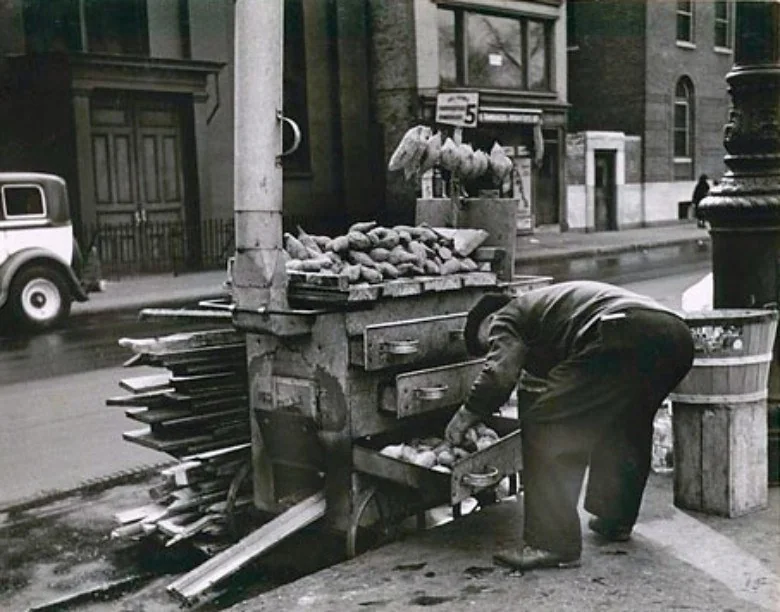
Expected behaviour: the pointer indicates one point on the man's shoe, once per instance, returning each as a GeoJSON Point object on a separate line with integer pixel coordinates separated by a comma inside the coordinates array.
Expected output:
{"type": "Point", "coordinates": [534, 558]}
{"type": "Point", "coordinates": [611, 530]}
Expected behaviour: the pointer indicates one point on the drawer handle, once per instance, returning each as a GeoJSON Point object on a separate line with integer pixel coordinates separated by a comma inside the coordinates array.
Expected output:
{"type": "Point", "coordinates": [489, 478]}
{"type": "Point", "coordinates": [402, 347]}
{"type": "Point", "coordinates": [430, 394]}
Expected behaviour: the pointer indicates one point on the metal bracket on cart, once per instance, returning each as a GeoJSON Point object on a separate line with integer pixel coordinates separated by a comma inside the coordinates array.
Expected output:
{"type": "Point", "coordinates": [293, 322]}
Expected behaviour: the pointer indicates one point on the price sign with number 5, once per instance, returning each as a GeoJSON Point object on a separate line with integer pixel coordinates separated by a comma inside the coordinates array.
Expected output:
{"type": "Point", "coordinates": [457, 108]}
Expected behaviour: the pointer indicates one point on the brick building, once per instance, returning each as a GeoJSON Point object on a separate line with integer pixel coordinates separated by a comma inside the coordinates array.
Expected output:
{"type": "Point", "coordinates": [648, 104]}
{"type": "Point", "coordinates": [131, 101]}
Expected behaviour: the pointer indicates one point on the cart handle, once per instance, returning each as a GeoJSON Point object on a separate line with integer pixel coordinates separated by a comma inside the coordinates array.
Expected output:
{"type": "Point", "coordinates": [402, 347]}
{"type": "Point", "coordinates": [490, 477]}
{"type": "Point", "coordinates": [430, 394]}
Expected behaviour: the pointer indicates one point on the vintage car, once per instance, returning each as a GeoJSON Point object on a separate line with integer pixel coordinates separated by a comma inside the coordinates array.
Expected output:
{"type": "Point", "coordinates": [39, 256]}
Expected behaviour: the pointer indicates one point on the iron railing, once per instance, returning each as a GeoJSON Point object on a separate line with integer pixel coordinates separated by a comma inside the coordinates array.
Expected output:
{"type": "Point", "coordinates": [161, 246]}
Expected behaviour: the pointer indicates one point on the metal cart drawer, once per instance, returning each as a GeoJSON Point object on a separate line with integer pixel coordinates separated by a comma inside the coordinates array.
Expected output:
{"type": "Point", "coordinates": [425, 390]}
{"type": "Point", "coordinates": [386, 345]}
{"type": "Point", "coordinates": [505, 457]}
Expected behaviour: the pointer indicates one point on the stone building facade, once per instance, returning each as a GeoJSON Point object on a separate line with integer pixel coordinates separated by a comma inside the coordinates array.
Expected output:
{"type": "Point", "coordinates": [653, 70]}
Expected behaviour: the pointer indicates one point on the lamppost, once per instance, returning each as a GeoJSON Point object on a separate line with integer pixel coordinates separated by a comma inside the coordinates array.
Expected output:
{"type": "Point", "coordinates": [744, 209]}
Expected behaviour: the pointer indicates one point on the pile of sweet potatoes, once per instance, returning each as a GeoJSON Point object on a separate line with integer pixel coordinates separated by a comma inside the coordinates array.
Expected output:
{"type": "Point", "coordinates": [371, 253]}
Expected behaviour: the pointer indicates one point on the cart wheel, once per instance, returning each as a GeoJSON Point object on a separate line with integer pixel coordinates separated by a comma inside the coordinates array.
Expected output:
{"type": "Point", "coordinates": [239, 480]}
{"type": "Point", "coordinates": [373, 523]}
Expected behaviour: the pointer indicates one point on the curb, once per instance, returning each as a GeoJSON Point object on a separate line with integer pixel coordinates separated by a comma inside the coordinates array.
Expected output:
{"type": "Point", "coordinates": [93, 485]}
{"type": "Point", "coordinates": [602, 251]}
{"type": "Point", "coordinates": [173, 302]}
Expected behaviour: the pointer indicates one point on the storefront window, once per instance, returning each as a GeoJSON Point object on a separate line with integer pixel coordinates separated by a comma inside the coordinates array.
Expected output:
{"type": "Point", "coordinates": [448, 69]}
{"type": "Point", "coordinates": [493, 51]}
{"type": "Point", "coordinates": [538, 53]}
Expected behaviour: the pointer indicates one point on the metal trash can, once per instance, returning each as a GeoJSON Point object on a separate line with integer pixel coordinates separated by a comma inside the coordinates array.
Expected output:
{"type": "Point", "coordinates": [719, 413]}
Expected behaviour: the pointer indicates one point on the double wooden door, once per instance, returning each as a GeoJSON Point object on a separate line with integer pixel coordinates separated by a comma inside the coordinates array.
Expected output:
{"type": "Point", "coordinates": [139, 177]}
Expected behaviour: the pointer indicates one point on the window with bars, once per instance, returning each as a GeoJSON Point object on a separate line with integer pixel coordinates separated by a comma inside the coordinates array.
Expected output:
{"type": "Point", "coordinates": [95, 26]}
{"type": "Point", "coordinates": [685, 21]}
{"type": "Point", "coordinates": [723, 21]}
{"type": "Point", "coordinates": [493, 50]}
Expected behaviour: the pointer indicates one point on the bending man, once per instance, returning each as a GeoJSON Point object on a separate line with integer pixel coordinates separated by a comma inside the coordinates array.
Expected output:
{"type": "Point", "coordinates": [610, 358]}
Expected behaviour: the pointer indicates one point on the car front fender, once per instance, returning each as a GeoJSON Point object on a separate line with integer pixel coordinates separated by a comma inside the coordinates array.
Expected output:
{"type": "Point", "coordinates": [13, 264]}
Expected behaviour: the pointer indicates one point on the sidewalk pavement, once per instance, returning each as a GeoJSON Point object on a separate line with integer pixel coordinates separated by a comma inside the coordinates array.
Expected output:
{"type": "Point", "coordinates": [546, 244]}
{"type": "Point", "coordinates": [676, 560]}
{"type": "Point", "coordinates": [137, 292]}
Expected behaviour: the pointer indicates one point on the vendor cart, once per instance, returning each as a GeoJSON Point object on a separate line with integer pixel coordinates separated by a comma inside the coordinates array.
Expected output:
{"type": "Point", "coordinates": [349, 369]}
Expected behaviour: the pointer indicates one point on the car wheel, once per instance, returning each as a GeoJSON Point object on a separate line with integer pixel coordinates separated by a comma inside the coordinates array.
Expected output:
{"type": "Point", "coordinates": [39, 297]}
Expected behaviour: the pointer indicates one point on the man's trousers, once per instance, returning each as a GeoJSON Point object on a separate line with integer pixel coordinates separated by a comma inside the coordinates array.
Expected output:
{"type": "Point", "coordinates": [598, 411]}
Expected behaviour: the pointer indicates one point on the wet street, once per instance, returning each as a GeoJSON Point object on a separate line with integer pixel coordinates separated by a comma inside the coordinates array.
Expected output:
{"type": "Point", "coordinates": [82, 344]}
{"type": "Point", "coordinates": [89, 342]}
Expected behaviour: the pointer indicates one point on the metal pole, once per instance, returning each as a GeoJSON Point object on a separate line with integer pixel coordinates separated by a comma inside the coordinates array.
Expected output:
{"type": "Point", "coordinates": [259, 276]}
{"type": "Point", "coordinates": [744, 209]}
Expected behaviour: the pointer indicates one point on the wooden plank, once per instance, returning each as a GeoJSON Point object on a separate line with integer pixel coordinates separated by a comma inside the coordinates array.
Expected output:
{"type": "Point", "coordinates": [220, 453]}
{"type": "Point", "coordinates": [449, 282]}
{"type": "Point", "coordinates": [192, 529]}
{"type": "Point", "coordinates": [363, 292]}
{"type": "Point", "coordinates": [318, 279]}
{"type": "Point", "coordinates": [479, 279]}
{"type": "Point", "coordinates": [201, 382]}
{"type": "Point", "coordinates": [184, 473]}
{"type": "Point", "coordinates": [202, 353]}
{"type": "Point", "coordinates": [174, 525]}
{"type": "Point", "coordinates": [136, 514]}
{"type": "Point", "coordinates": [193, 584]}
{"type": "Point", "coordinates": [149, 399]}
{"type": "Point", "coordinates": [144, 437]}
{"type": "Point", "coordinates": [152, 417]}
{"type": "Point", "coordinates": [747, 457]}
{"type": "Point", "coordinates": [686, 426]}
{"type": "Point", "coordinates": [144, 384]}
{"type": "Point", "coordinates": [401, 287]}
{"type": "Point", "coordinates": [182, 341]}
{"type": "Point", "coordinates": [189, 419]}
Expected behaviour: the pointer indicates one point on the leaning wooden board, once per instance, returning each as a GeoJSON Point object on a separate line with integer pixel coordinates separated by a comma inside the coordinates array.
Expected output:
{"type": "Point", "coordinates": [330, 288]}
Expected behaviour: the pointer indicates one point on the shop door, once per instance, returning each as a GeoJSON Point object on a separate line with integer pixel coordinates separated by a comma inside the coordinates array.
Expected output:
{"type": "Point", "coordinates": [604, 191]}
{"type": "Point", "coordinates": [139, 182]}
{"type": "Point", "coordinates": [547, 186]}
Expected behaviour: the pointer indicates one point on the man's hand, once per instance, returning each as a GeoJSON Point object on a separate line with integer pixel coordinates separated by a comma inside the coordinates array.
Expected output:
{"type": "Point", "coordinates": [459, 423]}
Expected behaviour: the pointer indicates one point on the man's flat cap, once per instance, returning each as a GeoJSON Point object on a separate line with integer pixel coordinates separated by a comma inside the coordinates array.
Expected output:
{"type": "Point", "coordinates": [485, 306]}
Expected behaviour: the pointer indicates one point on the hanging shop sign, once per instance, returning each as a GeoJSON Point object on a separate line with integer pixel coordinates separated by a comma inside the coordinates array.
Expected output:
{"type": "Point", "coordinates": [522, 116]}
{"type": "Point", "coordinates": [457, 108]}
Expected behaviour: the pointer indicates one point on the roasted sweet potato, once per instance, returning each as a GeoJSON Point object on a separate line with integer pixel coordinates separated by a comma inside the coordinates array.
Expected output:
{"type": "Point", "coordinates": [362, 226]}
{"type": "Point", "coordinates": [370, 274]}
{"type": "Point", "coordinates": [340, 244]}
{"type": "Point", "coordinates": [294, 247]}
{"type": "Point", "coordinates": [359, 257]}
{"type": "Point", "coordinates": [358, 241]}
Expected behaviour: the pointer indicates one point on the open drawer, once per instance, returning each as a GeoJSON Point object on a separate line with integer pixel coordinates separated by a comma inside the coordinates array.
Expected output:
{"type": "Point", "coordinates": [387, 345]}
{"type": "Point", "coordinates": [468, 476]}
{"type": "Point", "coordinates": [422, 391]}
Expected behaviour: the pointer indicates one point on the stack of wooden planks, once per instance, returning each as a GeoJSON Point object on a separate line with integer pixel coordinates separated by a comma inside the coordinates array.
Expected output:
{"type": "Point", "coordinates": [198, 403]}
{"type": "Point", "coordinates": [197, 498]}
{"type": "Point", "coordinates": [196, 410]}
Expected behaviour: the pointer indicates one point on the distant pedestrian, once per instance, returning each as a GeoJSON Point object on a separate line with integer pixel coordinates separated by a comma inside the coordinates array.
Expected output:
{"type": "Point", "coordinates": [699, 193]}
